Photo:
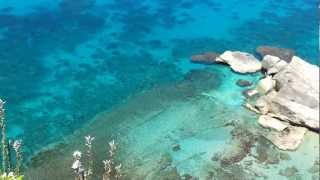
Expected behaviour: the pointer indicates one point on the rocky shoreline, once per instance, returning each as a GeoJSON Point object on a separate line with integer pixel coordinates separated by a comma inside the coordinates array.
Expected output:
{"type": "Point", "coordinates": [286, 98]}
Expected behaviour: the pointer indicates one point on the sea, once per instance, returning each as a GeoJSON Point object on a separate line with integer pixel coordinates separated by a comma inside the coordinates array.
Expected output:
{"type": "Point", "coordinates": [120, 70]}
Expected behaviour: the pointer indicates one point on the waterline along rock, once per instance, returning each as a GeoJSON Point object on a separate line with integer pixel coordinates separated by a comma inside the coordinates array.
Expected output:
{"type": "Point", "coordinates": [289, 93]}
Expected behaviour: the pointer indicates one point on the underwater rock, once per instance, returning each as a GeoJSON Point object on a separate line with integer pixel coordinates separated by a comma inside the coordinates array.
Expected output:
{"type": "Point", "coordinates": [239, 146]}
{"type": "Point", "coordinates": [289, 171]}
{"type": "Point", "coordinates": [273, 123]}
{"type": "Point", "coordinates": [165, 161]}
{"type": "Point", "coordinates": [205, 58]}
{"type": "Point", "coordinates": [273, 64]}
{"type": "Point", "coordinates": [284, 156]}
{"type": "Point", "coordinates": [198, 81]}
{"type": "Point", "coordinates": [188, 177]}
{"type": "Point", "coordinates": [176, 147]}
{"type": "Point", "coordinates": [290, 139]}
{"type": "Point", "coordinates": [243, 83]}
{"type": "Point", "coordinates": [266, 152]}
{"type": "Point", "coordinates": [234, 172]}
{"type": "Point", "coordinates": [315, 168]}
{"type": "Point", "coordinates": [240, 62]}
{"type": "Point", "coordinates": [282, 53]}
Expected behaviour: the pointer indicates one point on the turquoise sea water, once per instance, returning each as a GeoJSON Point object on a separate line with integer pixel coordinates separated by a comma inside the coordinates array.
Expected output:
{"type": "Point", "coordinates": [63, 62]}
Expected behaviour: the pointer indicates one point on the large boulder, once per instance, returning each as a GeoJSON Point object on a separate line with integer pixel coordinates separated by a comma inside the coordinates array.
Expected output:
{"type": "Point", "coordinates": [282, 53]}
{"type": "Point", "coordinates": [297, 93]}
{"type": "Point", "coordinates": [240, 62]}
{"type": "Point", "coordinates": [273, 64]}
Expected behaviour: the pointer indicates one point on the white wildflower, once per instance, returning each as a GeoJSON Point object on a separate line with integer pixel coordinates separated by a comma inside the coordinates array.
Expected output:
{"type": "Point", "coordinates": [89, 140]}
{"type": "Point", "coordinates": [17, 145]}
{"type": "Point", "coordinates": [76, 155]}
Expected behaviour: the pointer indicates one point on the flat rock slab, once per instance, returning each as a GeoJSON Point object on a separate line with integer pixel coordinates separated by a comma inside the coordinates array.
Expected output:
{"type": "Point", "coordinates": [272, 123]}
{"type": "Point", "coordinates": [240, 62]}
{"type": "Point", "coordinates": [289, 140]}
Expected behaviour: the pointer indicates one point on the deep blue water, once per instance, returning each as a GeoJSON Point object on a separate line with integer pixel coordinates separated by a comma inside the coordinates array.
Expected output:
{"type": "Point", "coordinates": [62, 62]}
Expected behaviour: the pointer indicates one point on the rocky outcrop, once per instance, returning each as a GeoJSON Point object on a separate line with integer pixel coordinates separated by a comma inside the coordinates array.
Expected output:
{"type": "Point", "coordinates": [289, 139]}
{"type": "Point", "coordinates": [240, 62]}
{"type": "Point", "coordinates": [282, 53]}
{"type": "Point", "coordinates": [273, 64]}
{"type": "Point", "coordinates": [288, 100]}
{"type": "Point", "coordinates": [205, 58]}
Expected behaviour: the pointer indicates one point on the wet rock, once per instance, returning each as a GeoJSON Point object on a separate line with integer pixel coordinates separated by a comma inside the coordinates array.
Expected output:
{"type": "Point", "coordinates": [289, 171]}
{"type": "Point", "coordinates": [205, 58]}
{"type": "Point", "coordinates": [243, 83]}
{"type": "Point", "coordinates": [272, 123]}
{"type": "Point", "coordinates": [176, 147]}
{"type": "Point", "coordinates": [240, 62]}
{"type": "Point", "coordinates": [282, 53]}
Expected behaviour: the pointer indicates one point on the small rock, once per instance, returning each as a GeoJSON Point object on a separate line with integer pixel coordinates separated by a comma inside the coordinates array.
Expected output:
{"type": "Point", "coordinates": [248, 93]}
{"type": "Point", "coordinates": [176, 147]}
{"type": "Point", "coordinates": [243, 83]}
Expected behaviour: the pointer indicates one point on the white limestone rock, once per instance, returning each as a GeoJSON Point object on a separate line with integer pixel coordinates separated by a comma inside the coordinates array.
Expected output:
{"type": "Point", "coordinates": [272, 123]}
{"type": "Point", "coordinates": [265, 85]}
{"type": "Point", "coordinates": [288, 140]}
{"type": "Point", "coordinates": [240, 62]}
{"type": "Point", "coordinates": [273, 64]}
{"type": "Point", "coordinates": [297, 95]}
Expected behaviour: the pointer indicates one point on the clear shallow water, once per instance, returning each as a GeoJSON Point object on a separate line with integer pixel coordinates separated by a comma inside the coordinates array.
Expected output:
{"type": "Point", "coordinates": [63, 62]}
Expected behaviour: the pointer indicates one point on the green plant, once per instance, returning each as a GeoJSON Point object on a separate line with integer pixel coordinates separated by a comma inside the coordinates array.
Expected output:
{"type": "Point", "coordinates": [17, 146]}
{"type": "Point", "coordinates": [10, 176]}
